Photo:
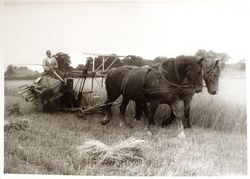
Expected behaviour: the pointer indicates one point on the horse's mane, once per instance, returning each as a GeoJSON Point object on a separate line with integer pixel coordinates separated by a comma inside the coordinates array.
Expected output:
{"type": "Point", "coordinates": [130, 66]}
{"type": "Point", "coordinates": [180, 63]}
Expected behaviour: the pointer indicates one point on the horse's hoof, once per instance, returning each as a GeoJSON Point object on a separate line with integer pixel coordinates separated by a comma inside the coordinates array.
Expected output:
{"type": "Point", "coordinates": [165, 124]}
{"type": "Point", "coordinates": [188, 127]}
{"type": "Point", "coordinates": [135, 119]}
{"type": "Point", "coordinates": [181, 135]}
{"type": "Point", "coordinates": [187, 124]}
{"type": "Point", "coordinates": [104, 122]}
{"type": "Point", "coordinates": [121, 124]}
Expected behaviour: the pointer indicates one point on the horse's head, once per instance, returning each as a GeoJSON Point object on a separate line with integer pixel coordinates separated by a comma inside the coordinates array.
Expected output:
{"type": "Point", "coordinates": [211, 77]}
{"type": "Point", "coordinates": [194, 74]}
{"type": "Point", "coordinates": [184, 71]}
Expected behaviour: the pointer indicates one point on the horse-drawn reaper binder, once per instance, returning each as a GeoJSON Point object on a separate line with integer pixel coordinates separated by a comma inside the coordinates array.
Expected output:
{"type": "Point", "coordinates": [51, 91]}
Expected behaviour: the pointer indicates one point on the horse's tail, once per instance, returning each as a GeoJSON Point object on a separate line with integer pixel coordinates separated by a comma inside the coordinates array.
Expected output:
{"type": "Point", "coordinates": [108, 83]}
{"type": "Point", "coordinates": [107, 78]}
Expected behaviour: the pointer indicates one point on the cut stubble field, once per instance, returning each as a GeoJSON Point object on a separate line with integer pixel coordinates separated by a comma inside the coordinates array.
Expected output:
{"type": "Point", "coordinates": [216, 145]}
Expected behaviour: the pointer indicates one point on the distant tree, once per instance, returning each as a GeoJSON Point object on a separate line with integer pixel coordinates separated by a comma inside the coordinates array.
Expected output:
{"type": "Point", "coordinates": [63, 61]}
{"type": "Point", "coordinates": [21, 72]}
{"type": "Point", "coordinates": [70, 68]}
{"type": "Point", "coordinates": [242, 65]}
{"type": "Point", "coordinates": [22, 68]}
{"type": "Point", "coordinates": [159, 59]}
{"type": "Point", "coordinates": [201, 53]}
{"type": "Point", "coordinates": [36, 72]}
{"type": "Point", "coordinates": [80, 67]}
{"type": "Point", "coordinates": [110, 60]}
{"type": "Point", "coordinates": [133, 60]}
{"type": "Point", "coordinates": [99, 60]}
{"type": "Point", "coordinates": [10, 70]}
{"type": "Point", "coordinates": [222, 57]}
{"type": "Point", "coordinates": [146, 62]}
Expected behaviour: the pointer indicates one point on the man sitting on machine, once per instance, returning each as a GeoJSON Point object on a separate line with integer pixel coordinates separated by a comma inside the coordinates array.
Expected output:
{"type": "Point", "coordinates": [50, 67]}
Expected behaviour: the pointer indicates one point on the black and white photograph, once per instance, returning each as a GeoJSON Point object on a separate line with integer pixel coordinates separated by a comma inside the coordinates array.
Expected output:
{"type": "Point", "coordinates": [124, 88]}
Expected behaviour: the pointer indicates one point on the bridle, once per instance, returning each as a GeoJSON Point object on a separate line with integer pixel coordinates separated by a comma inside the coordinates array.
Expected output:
{"type": "Point", "coordinates": [207, 73]}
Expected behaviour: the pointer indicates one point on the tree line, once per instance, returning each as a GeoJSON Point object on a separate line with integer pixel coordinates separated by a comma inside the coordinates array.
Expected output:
{"type": "Point", "coordinates": [64, 62]}
{"type": "Point", "coordinates": [139, 61]}
{"type": "Point", "coordinates": [113, 62]}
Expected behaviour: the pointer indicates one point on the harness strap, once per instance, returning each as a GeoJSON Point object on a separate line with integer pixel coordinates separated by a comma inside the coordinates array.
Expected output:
{"type": "Point", "coordinates": [176, 71]}
{"type": "Point", "coordinates": [160, 76]}
{"type": "Point", "coordinates": [207, 73]}
{"type": "Point", "coordinates": [168, 82]}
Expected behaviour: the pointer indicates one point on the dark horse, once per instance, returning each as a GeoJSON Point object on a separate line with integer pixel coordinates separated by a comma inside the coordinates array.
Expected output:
{"type": "Point", "coordinates": [211, 75]}
{"type": "Point", "coordinates": [169, 83]}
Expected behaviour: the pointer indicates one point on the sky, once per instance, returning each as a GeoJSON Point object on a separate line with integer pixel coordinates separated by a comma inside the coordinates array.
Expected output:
{"type": "Point", "coordinates": [147, 29]}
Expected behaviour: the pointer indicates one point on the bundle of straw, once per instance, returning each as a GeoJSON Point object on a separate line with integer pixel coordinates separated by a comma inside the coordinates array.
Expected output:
{"type": "Point", "coordinates": [123, 151]}
{"type": "Point", "coordinates": [20, 124]}
{"type": "Point", "coordinates": [13, 109]}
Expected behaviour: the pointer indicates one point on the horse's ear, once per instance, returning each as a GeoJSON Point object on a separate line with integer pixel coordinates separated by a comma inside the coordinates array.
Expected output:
{"type": "Point", "coordinates": [216, 63]}
{"type": "Point", "coordinates": [200, 60]}
{"type": "Point", "coordinates": [163, 66]}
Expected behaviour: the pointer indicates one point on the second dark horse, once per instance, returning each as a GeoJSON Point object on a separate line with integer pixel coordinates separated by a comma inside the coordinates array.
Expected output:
{"type": "Point", "coordinates": [211, 75]}
{"type": "Point", "coordinates": [170, 82]}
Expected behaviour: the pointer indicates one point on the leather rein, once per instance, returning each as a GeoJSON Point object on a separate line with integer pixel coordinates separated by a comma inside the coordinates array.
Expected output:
{"type": "Point", "coordinates": [170, 83]}
{"type": "Point", "coordinates": [159, 73]}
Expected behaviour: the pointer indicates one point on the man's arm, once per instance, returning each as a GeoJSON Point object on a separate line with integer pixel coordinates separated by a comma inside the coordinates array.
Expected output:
{"type": "Point", "coordinates": [45, 67]}
{"type": "Point", "coordinates": [55, 64]}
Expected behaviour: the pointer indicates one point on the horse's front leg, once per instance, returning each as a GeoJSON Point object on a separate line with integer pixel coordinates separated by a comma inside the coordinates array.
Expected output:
{"type": "Point", "coordinates": [108, 114]}
{"type": "Point", "coordinates": [141, 106]}
{"type": "Point", "coordinates": [123, 107]}
{"type": "Point", "coordinates": [169, 120]}
{"type": "Point", "coordinates": [153, 107]}
{"type": "Point", "coordinates": [186, 114]}
{"type": "Point", "coordinates": [138, 110]}
{"type": "Point", "coordinates": [187, 103]}
{"type": "Point", "coordinates": [145, 109]}
{"type": "Point", "coordinates": [178, 110]}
